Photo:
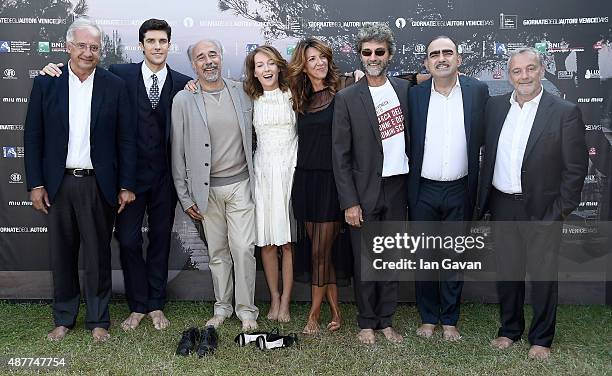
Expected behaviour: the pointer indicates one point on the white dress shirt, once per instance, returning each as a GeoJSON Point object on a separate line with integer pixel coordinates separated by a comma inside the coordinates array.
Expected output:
{"type": "Point", "coordinates": [148, 81]}
{"type": "Point", "coordinates": [512, 143]}
{"type": "Point", "coordinates": [79, 120]}
{"type": "Point", "coordinates": [445, 154]}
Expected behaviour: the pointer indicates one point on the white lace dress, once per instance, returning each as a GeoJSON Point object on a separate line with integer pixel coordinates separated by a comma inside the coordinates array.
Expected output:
{"type": "Point", "coordinates": [274, 162]}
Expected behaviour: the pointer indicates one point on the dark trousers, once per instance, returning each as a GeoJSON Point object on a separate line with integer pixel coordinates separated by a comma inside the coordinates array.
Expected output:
{"type": "Point", "coordinates": [438, 295]}
{"type": "Point", "coordinates": [377, 300]}
{"type": "Point", "coordinates": [146, 276]}
{"type": "Point", "coordinates": [80, 216]}
{"type": "Point", "coordinates": [520, 248]}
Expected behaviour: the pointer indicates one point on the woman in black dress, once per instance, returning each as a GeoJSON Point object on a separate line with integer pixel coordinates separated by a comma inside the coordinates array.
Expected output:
{"type": "Point", "coordinates": [323, 255]}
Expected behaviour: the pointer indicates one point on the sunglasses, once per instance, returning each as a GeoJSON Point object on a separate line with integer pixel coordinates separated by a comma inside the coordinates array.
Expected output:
{"type": "Point", "coordinates": [377, 52]}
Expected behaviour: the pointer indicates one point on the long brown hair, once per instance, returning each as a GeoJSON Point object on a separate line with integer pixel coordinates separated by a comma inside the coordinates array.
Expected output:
{"type": "Point", "coordinates": [299, 82]}
{"type": "Point", "coordinates": [252, 86]}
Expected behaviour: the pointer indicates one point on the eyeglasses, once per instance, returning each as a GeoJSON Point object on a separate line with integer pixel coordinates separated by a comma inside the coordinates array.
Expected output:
{"type": "Point", "coordinates": [84, 46]}
{"type": "Point", "coordinates": [377, 52]}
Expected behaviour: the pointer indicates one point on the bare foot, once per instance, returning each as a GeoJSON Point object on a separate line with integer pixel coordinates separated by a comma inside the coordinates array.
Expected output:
{"type": "Point", "coordinates": [274, 307]}
{"type": "Point", "coordinates": [100, 335]}
{"type": "Point", "coordinates": [425, 330]}
{"type": "Point", "coordinates": [312, 327]}
{"type": "Point", "coordinates": [283, 312]}
{"type": "Point", "coordinates": [451, 333]}
{"type": "Point", "coordinates": [132, 321]}
{"type": "Point", "coordinates": [58, 333]}
{"type": "Point", "coordinates": [335, 324]}
{"type": "Point", "coordinates": [539, 352]}
{"type": "Point", "coordinates": [248, 325]}
{"type": "Point", "coordinates": [391, 335]}
{"type": "Point", "coordinates": [366, 336]}
{"type": "Point", "coordinates": [215, 321]}
{"type": "Point", "coordinates": [160, 322]}
{"type": "Point", "coordinates": [502, 343]}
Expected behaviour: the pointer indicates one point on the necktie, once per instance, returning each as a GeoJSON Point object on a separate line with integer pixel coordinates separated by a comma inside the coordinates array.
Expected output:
{"type": "Point", "coordinates": [154, 92]}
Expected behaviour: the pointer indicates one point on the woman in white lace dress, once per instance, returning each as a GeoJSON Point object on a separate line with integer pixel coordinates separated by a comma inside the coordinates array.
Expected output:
{"type": "Point", "coordinates": [274, 163]}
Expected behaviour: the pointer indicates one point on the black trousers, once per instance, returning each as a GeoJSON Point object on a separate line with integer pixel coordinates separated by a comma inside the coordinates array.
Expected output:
{"type": "Point", "coordinates": [81, 216]}
{"type": "Point", "coordinates": [438, 295]}
{"type": "Point", "coordinates": [525, 248]}
{"type": "Point", "coordinates": [146, 276]}
{"type": "Point", "coordinates": [377, 300]}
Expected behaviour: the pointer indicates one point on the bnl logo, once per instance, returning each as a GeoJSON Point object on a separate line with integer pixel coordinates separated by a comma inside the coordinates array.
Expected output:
{"type": "Point", "coordinates": [9, 152]}
{"type": "Point", "coordinates": [5, 46]}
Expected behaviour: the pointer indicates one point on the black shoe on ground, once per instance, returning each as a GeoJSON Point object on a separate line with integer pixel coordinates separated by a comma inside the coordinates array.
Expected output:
{"type": "Point", "coordinates": [209, 340]}
{"type": "Point", "coordinates": [188, 341]}
{"type": "Point", "coordinates": [273, 340]}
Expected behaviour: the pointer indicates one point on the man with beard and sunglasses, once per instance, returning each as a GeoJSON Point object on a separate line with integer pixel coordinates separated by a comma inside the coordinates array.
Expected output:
{"type": "Point", "coordinates": [370, 162]}
{"type": "Point", "coordinates": [212, 167]}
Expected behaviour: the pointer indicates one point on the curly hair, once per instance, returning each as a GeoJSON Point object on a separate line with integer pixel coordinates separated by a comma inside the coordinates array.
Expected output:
{"type": "Point", "coordinates": [378, 33]}
{"type": "Point", "coordinates": [252, 86]}
{"type": "Point", "coordinates": [299, 82]}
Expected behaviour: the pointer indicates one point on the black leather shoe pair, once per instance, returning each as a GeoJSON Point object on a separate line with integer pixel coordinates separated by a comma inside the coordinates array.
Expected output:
{"type": "Point", "coordinates": [203, 342]}
{"type": "Point", "coordinates": [266, 340]}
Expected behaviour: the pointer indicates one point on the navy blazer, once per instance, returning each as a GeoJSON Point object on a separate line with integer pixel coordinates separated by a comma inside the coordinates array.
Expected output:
{"type": "Point", "coordinates": [475, 95]}
{"type": "Point", "coordinates": [130, 73]}
{"type": "Point", "coordinates": [112, 138]}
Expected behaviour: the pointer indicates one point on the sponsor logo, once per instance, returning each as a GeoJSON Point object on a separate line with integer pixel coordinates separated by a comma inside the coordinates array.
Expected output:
{"type": "Point", "coordinates": [508, 21]}
{"type": "Point", "coordinates": [14, 46]}
{"type": "Point", "coordinates": [290, 49]}
{"type": "Point", "coordinates": [541, 47]}
{"type": "Point", "coordinates": [293, 24]}
{"type": "Point", "coordinates": [9, 74]}
{"type": "Point", "coordinates": [33, 73]}
{"type": "Point", "coordinates": [500, 49]}
{"type": "Point", "coordinates": [598, 45]}
{"type": "Point", "coordinates": [11, 127]}
{"type": "Point", "coordinates": [44, 47]}
{"type": "Point", "coordinates": [14, 100]}
{"type": "Point", "coordinates": [465, 49]}
{"type": "Point", "coordinates": [565, 75]}
{"type": "Point", "coordinates": [420, 49]}
{"type": "Point", "coordinates": [591, 73]}
{"type": "Point", "coordinates": [12, 151]}
{"type": "Point", "coordinates": [400, 23]}
{"type": "Point", "coordinates": [452, 23]}
{"type": "Point", "coordinates": [590, 100]}
{"type": "Point", "coordinates": [15, 178]}
{"type": "Point", "coordinates": [592, 127]}
{"type": "Point", "coordinates": [5, 46]}
{"type": "Point", "coordinates": [188, 22]}
{"type": "Point", "coordinates": [22, 228]}
{"type": "Point", "coordinates": [250, 47]}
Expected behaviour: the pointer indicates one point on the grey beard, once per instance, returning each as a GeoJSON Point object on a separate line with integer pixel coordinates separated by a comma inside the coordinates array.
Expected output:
{"type": "Point", "coordinates": [381, 70]}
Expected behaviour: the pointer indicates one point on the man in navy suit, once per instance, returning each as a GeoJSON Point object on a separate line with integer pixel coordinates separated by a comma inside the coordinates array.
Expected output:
{"type": "Point", "coordinates": [151, 87]}
{"type": "Point", "coordinates": [446, 135]}
{"type": "Point", "coordinates": [80, 162]}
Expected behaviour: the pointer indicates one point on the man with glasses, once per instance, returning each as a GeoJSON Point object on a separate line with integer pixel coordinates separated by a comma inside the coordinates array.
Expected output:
{"type": "Point", "coordinates": [80, 159]}
{"type": "Point", "coordinates": [212, 167]}
{"type": "Point", "coordinates": [370, 161]}
{"type": "Point", "coordinates": [151, 87]}
{"type": "Point", "coordinates": [445, 138]}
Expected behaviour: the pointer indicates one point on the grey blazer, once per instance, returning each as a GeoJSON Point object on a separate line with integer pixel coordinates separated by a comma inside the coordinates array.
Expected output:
{"type": "Point", "coordinates": [190, 140]}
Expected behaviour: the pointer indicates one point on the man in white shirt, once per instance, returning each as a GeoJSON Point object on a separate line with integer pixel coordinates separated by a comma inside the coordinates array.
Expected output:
{"type": "Point", "coordinates": [79, 153]}
{"type": "Point", "coordinates": [446, 134]}
{"type": "Point", "coordinates": [370, 162]}
{"type": "Point", "coordinates": [533, 171]}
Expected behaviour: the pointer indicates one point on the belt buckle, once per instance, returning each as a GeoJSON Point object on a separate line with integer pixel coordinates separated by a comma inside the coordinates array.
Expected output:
{"type": "Point", "coordinates": [74, 172]}
{"type": "Point", "coordinates": [518, 197]}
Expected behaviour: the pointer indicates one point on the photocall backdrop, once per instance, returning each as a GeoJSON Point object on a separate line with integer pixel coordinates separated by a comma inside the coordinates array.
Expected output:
{"type": "Point", "coordinates": [574, 36]}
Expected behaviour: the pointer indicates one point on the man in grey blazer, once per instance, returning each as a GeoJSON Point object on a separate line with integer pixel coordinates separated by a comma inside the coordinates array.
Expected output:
{"type": "Point", "coordinates": [212, 169]}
